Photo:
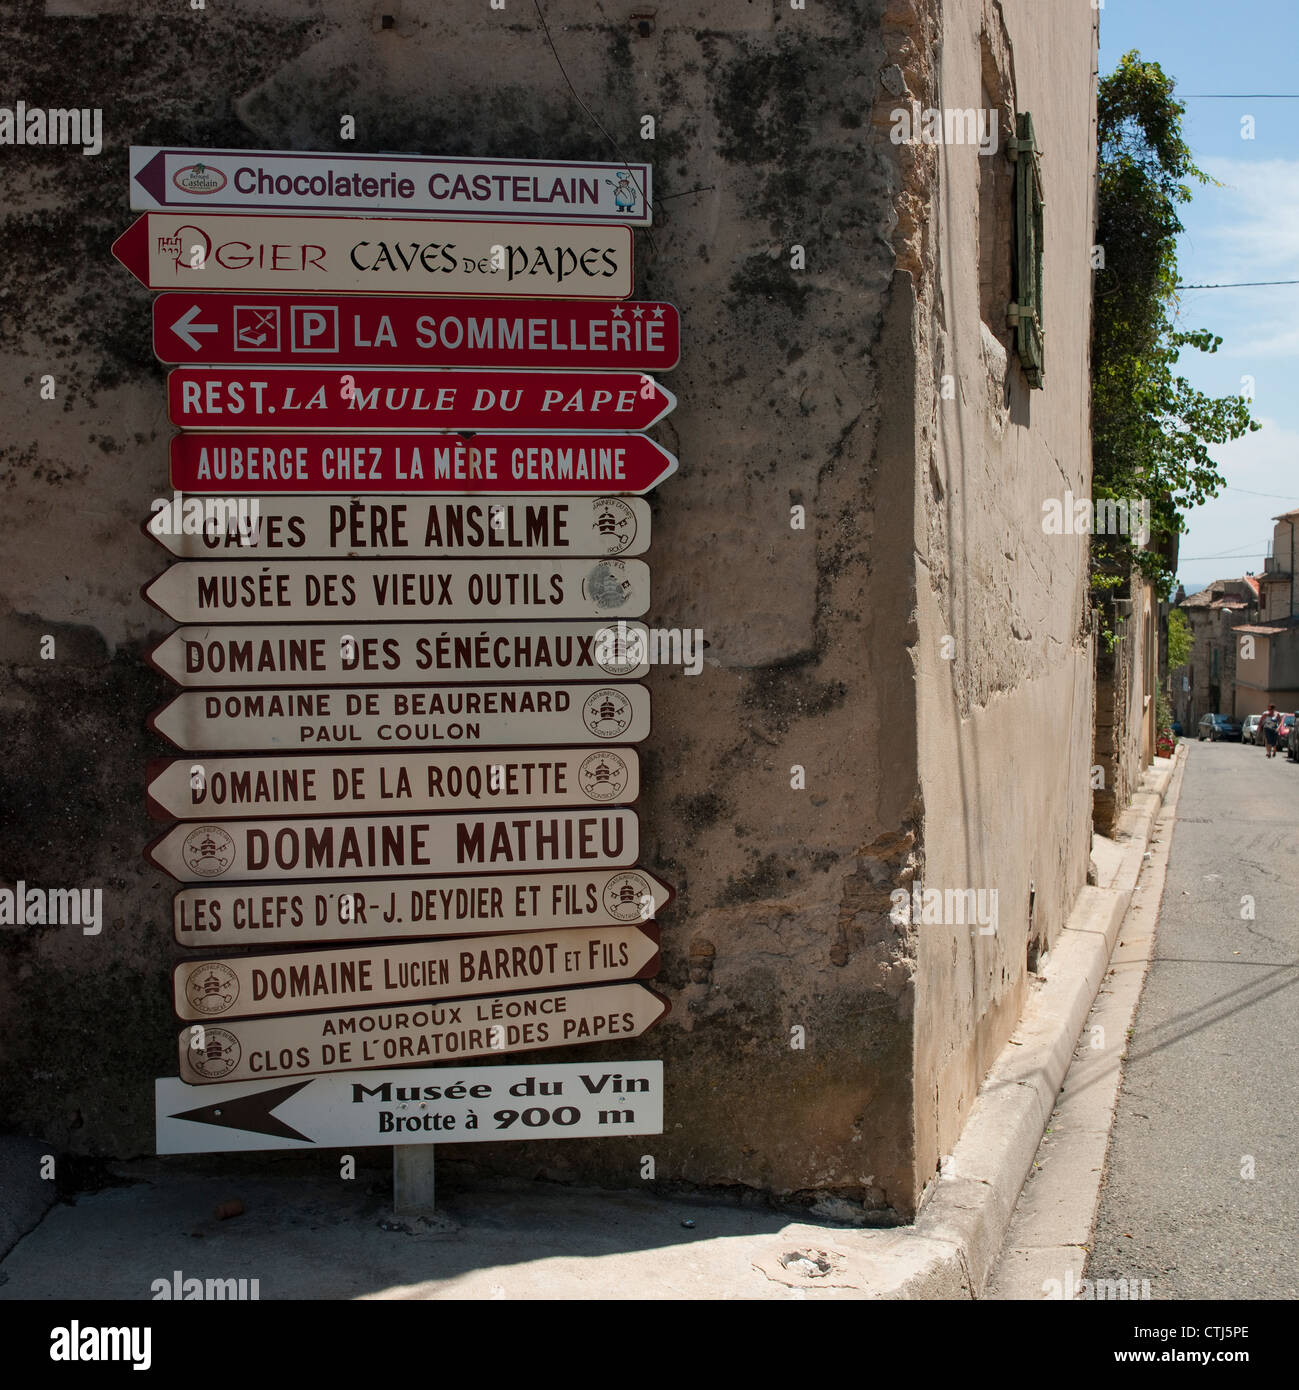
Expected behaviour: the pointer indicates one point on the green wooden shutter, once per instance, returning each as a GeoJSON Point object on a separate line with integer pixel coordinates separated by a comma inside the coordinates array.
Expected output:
{"type": "Point", "coordinates": [1025, 313]}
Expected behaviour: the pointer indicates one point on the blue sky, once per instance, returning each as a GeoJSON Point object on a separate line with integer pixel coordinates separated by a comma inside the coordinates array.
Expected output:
{"type": "Point", "coordinates": [1246, 230]}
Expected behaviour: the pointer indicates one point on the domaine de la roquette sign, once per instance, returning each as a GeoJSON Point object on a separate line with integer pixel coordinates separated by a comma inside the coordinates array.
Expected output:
{"type": "Point", "coordinates": [361, 783]}
{"type": "Point", "coordinates": [379, 255]}
{"type": "Point", "coordinates": [308, 182]}
{"type": "Point", "coordinates": [369, 330]}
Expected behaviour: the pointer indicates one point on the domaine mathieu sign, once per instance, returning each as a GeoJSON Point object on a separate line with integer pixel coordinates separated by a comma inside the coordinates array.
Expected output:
{"type": "Point", "coordinates": [376, 846]}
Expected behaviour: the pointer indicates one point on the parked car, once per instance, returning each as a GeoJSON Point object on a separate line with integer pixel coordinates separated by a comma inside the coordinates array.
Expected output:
{"type": "Point", "coordinates": [1285, 734]}
{"type": "Point", "coordinates": [1217, 727]}
{"type": "Point", "coordinates": [1249, 731]}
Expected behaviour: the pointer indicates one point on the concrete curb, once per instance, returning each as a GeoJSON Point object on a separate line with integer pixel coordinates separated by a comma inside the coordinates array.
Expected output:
{"type": "Point", "coordinates": [964, 1219]}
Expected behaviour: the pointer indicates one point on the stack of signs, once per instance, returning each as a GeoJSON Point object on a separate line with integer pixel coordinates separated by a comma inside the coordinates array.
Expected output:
{"type": "Point", "coordinates": [408, 521]}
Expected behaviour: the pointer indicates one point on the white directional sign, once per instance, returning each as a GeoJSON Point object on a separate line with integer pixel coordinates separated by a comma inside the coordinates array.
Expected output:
{"type": "Point", "coordinates": [371, 590]}
{"type": "Point", "coordinates": [404, 717]}
{"type": "Point", "coordinates": [206, 251]}
{"type": "Point", "coordinates": [267, 1048]}
{"type": "Point", "coordinates": [245, 986]}
{"type": "Point", "coordinates": [281, 527]}
{"type": "Point", "coordinates": [356, 783]}
{"type": "Point", "coordinates": [403, 184]}
{"type": "Point", "coordinates": [416, 1105]}
{"type": "Point", "coordinates": [226, 916]}
{"type": "Point", "coordinates": [398, 845]}
{"type": "Point", "coordinates": [398, 653]}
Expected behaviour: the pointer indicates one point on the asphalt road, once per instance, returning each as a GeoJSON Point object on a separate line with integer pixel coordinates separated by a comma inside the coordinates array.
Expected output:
{"type": "Point", "coordinates": [1211, 1084]}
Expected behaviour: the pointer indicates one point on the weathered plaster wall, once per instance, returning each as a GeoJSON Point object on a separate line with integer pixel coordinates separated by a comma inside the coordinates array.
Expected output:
{"type": "Point", "coordinates": [1002, 717]}
{"type": "Point", "coordinates": [795, 388]}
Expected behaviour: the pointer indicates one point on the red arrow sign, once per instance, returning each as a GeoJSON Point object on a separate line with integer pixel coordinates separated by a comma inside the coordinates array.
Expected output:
{"type": "Point", "coordinates": [375, 330]}
{"type": "Point", "coordinates": [350, 398]}
{"type": "Point", "coordinates": [571, 464]}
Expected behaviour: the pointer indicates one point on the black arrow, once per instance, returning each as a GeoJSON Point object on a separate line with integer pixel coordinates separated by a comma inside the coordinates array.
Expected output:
{"type": "Point", "coordinates": [252, 1113]}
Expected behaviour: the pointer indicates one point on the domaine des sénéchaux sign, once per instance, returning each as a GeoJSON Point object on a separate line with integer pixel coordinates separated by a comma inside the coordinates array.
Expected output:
{"type": "Point", "coordinates": [283, 654]}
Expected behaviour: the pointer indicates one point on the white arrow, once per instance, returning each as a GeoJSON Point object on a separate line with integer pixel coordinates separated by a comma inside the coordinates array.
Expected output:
{"type": "Point", "coordinates": [185, 328]}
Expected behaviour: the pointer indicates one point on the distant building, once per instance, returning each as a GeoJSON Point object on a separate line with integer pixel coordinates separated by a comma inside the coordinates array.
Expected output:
{"type": "Point", "coordinates": [1207, 684]}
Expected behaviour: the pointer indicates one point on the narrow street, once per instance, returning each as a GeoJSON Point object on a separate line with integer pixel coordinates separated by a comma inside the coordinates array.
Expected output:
{"type": "Point", "coordinates": [1200, 1195]}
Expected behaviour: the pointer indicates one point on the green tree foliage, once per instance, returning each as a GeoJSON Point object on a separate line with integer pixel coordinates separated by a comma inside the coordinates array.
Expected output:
{"type": "Point", "coordinates": [1180, 639]}
{"type": "Point", "coordinates": [1152, 429]}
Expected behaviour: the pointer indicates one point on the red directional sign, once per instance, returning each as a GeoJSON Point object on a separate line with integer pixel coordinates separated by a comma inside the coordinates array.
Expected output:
{"type": "Point", "coordinates": [572, 464]}
{"type": "Point", "coordinates": [415, 398]}
{"type": "Point", "coordinates": [371, 330]}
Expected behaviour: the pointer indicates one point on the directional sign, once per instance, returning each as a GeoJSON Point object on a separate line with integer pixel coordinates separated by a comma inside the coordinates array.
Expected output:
{"type": "Point", "coordinates": [294, 914]}
{"type": "Point", "coordinates": [244, 986]}
{"type": "Point", "coordinates": [203, 251]}
{"type": "Point", "coordinates": [271, 1048]}
{"type": "Point", "coordinates": [370, 184]}
{"type": "Point", "coordinates": [356, 783]}
{"type": "Point", "coordinates": [369, 330]}
{"type": "Point", "coordinates": [397, 653]}
{"type": "Point", "coordinates": [398, 845]}
{"type": "Point", "coordinates": [416, 1105]}
{"type": "Point", "coordinates": [217, 590]}
{"type": "Point", "coordinates": [288, 528]}
{"type": "Point", "coordinates": [405, 717]}
{"type": "Point", "coordinates": [332, 398]}
{"type": "Point", "coordinates": [580, 464]}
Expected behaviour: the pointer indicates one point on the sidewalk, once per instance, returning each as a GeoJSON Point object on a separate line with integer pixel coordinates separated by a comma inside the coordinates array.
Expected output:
{"type": "Point", "coordinates": [322, 1238]}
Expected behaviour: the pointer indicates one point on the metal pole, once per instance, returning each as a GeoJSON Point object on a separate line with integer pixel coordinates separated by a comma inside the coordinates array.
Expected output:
{"type": "Point", "coordinates": [412, 1179]}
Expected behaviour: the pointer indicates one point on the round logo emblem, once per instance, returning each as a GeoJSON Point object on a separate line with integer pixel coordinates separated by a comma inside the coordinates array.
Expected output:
{"type": "Point", "coordinates": [208, 851]}
{"type": "Point", "coordinates": [199, 178]}
{"type": "Point", "coordinates": [219, 1054]}
{"type": "Point", "coordinates": [628, 897]}
{"type": "Point", "coordinates": [607, 713]}
{"type": "Point", "coordinates": [620, 649]}
{"type": "Point", "coordinates": [604, 776]}
{"type": "Point", "coordinates": [614, 524]}
{"type": "Point", "coordinates": [607, 584]}
{"type": "Point", "coordinates": [212, 989]}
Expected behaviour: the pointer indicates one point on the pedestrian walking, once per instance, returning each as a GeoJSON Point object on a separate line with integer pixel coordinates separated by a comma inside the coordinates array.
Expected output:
{"type": "Point", "coordinates": [1269, 724]}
